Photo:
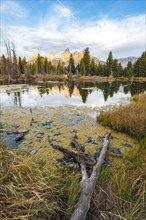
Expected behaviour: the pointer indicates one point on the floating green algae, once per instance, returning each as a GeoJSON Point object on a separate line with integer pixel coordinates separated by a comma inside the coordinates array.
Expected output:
{"type": "Point", "coordinates": [60, 124]}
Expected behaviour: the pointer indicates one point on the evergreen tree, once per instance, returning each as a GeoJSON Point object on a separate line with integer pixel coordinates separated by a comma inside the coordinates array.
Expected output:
{"type": "Point", "coordinates": [120, 70]}
{"type": "Point", "coordinates": [22, 64]}
{"type": "Point", "coordinates": [46, 65]}
{"type": "Point", "coordinates": [115, 68]}
{"type": "Point", "coordinates": [101, 69]}
{"type": "Point", "coordinates": [129, 69]}
{"type": "Point", "coordinates": [59, 67]}
{"type": "Point", "coordinates": [93, 67]}
{"type": "Point", "coordinates": [71, 65]}
{"type": "Point", "coordinates": [86, 59]}
{"type": "Point", "coordinates": [33, 68]}
{"type": "Point", "coordinates": [82, 67]}
{"type": "Point", "coordinates": [39, 64]}
{"type": "Point", "coordinates": [140, 66]}
{"type": "Point", "coordinates": [109, 64]}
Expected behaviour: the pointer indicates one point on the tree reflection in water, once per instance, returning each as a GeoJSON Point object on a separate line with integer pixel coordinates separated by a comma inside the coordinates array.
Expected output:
{"type": "Point", "coordinates": [108, 89]}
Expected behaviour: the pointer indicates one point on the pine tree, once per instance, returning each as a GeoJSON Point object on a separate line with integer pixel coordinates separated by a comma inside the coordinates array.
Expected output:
{"type": "Point", "coordinates": [140, 66]}
{"type": "Point", "coordinates": [129, 69]}
{"type": "Point", "coordinates": [115, 68]}
{"type": "Point", "coordinates": [120, 70]}
{"type": "Point", "coordinates": [101, 69]}
{"type": "Point", "coordinates": [86, 59]}
{"type": "Point", "coordinates": [71, 65]}
{"type": "Point", "coordinates": [59, 67]}
{"type": "Point", "coordinates": [46, 64]}
{"type": "Point", "coordinates": [22, 64]}
{"type": "Point", "coordinates": [93, 67]}
{"type": "Point", "coordinates": [109, 64]}
{"type": "Point", "coordinates": [82, 67]}
{"type": "Point", "coordinates": [33, 69]}
{"type": "Point", "coordinates": [39, 64]}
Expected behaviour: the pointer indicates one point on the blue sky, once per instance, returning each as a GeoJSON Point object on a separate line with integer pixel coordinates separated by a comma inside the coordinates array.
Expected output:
{"type": "Point", "coordinates": [47, 26]}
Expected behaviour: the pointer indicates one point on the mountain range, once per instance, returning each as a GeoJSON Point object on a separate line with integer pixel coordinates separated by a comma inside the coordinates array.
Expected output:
{"type": "Point", "coordinates": [77, 56]}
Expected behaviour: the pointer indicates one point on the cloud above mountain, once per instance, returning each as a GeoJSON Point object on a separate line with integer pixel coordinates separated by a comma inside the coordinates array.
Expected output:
{"type": "Point", "coordinates": [60, 28]}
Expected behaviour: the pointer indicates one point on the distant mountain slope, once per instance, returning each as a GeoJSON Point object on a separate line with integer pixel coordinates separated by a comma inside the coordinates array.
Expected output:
{"type": "Point", "coordinates": [77, 56]}
{"type": "Point", "coordinates": [124, 61]}
{"type": "Point", "coordinates": [64, 57]}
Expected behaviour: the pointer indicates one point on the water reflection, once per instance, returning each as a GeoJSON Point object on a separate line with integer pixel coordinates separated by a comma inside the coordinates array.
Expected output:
{"type": "Point", "coordinates": [98, 94]}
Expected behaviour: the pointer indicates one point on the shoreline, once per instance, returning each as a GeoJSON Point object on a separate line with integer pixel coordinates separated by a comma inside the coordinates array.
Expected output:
{"type": "Point", "coordinates": [64, 78]}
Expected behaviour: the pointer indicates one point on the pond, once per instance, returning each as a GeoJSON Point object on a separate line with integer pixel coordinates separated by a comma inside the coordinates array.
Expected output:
{"type": "Point", "coordinates": [78, 94]}
{"type": "Point", "coordinates": [61, 110]}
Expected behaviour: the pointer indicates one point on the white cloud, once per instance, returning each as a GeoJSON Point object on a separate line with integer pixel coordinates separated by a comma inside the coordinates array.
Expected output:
{"type": "Point", "coordinates": [125, 37]}
{"type": "Point", "coordinates": [13, 8]}
{"type": "Point", "coordinates": [62, 11]}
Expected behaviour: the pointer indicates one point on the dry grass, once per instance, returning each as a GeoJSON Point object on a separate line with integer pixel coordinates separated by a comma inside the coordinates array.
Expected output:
{"type": "Point", "coordinates": [130, 119]}
{"type": "Point", "coordinates": [123, 193]}
{"type": "Point", "coordinates": [47, 77]}
{"type": "Point", "coordinates": [119, 193]}
{"type": "Point", "coordinates": [33, 189]}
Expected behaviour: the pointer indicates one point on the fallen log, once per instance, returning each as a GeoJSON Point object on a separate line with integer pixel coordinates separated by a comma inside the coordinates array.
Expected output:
{"type": "Point", "coordinates": [88, 183]}
{"type": "Point", "coordinates": [14, 131]}
{"type": "Point", "coordinates": [114, 154]}
{"type": "Point", "coordinates": [73, 154]}
{"type": "Point", "coordinates": [20, 137]}
{"type": "Point", "coordinates": [81, 150]}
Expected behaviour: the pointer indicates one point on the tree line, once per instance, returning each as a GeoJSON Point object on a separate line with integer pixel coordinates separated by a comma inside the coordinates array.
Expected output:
{"type": "Point", "coordinates": [15, 67]}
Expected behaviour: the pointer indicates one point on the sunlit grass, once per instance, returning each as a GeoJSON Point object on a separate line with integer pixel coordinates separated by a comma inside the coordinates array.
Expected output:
{"type": "Point", "coordinates": [130, 118]}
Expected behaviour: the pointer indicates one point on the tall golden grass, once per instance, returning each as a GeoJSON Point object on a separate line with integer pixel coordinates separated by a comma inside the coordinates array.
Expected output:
{"type": "Point", "coordinates": [130, 118]}
{"type": "Point", "coordinates": [34, 189]}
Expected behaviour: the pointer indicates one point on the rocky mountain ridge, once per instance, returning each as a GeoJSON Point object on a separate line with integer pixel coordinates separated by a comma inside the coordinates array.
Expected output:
{"type": "Point", "coordinates": [124, 61]}
{"type": "Point", "coordinates": [77, 56]}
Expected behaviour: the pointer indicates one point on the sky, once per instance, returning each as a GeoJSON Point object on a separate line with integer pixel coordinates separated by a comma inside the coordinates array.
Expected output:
{"type": "Point", "coordinates": [51, 26]}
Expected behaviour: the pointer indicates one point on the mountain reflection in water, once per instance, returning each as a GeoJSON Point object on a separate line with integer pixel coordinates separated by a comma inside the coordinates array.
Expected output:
{"type": "Point", "coordinates": [90, 94]}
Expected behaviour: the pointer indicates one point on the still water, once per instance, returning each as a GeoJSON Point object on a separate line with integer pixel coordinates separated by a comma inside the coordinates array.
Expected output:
{"type": "Point", "coordinates": [60, 94]}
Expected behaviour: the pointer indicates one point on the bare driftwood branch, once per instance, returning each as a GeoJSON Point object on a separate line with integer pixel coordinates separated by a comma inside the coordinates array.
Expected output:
{"type": "Point", "coordinates": [14, 131]}
{"type": "Point", "coordinates": [20, 137]}
{"type": "Point", "coordinates": [73, 154]}
{"type": "Point", "coordinates": [81, 150]}
{"type": "Point", "coordinates": [83, 164]}
{"type": "Point", "coordinates": [88, 185]}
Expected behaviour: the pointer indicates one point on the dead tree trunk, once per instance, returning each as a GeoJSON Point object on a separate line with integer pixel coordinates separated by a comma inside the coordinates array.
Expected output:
{"type": "Point", "coordinates": [88, 183]}
{"type": "Point", "coordinates": [73, 154]}
{"type": "Point", "coordinates": [14, 131]}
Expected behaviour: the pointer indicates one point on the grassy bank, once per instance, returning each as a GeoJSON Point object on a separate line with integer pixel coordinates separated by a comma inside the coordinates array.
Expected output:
{"type": "Point", "coordinates": [130, 118]}
{"type": "Point", "coordinates": [64, 78]}
{"type": "Point", "coordinates": [35, 188]}
{"type": "Point", "coordinates": [119, 193]}
{"type": "Point", "coordinates": [125, 188]}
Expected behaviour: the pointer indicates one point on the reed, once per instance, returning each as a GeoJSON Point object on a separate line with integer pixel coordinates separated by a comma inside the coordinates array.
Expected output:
{"type": "Point", "coordinates": [33, 189]}
{"type": "Point", "coordinates": [130, 119]}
